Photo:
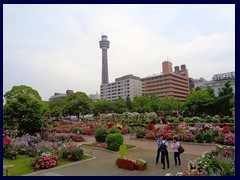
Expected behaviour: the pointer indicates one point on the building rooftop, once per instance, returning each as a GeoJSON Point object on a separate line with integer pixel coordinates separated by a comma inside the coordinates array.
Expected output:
{"type": "Point", "coordinates": [57, 96]}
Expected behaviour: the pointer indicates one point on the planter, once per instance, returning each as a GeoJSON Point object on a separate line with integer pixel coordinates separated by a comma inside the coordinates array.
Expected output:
{"type": "Point", "coordinates": [141, 167]}
{"type": "Point", "coordinates": [125, 164]}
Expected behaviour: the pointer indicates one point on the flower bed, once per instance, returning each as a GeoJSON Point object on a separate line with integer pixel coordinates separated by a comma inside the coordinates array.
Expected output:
{"type": "Point", "coordinates": [130, 164]}
{"type": "Point", "coordinates": [45, 161]}
{"type": "Point", "coordinates": [218, 162]}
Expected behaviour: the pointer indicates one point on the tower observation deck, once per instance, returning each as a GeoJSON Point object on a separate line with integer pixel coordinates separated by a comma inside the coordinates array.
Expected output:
{"type": "Point", "coordinates": [104, 45]}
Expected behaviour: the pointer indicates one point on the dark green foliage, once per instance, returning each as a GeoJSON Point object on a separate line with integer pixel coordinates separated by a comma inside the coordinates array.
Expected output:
{"type": "Point", "coordinates": [176, 121]}
{"type": "Point", "coordinates": [114, 141]}
{"type": "Point", "coordinates": [169, 104]}
{"type": "Point", "coordinates": [55, 111]}
{"type": "Point", "coordinates": [197, 100]}
{"type": "Point", "coordinates": [140, 133]}
{"type": "Point", "coordinates": [199, 137]}
{"type": "Point", "coordinates": [103, 106]}
{"type": "Point", "coordinates": [226, 90]}
{"type": "Point", "coordinates": [24, 106]}
{"type": "Point", "coordinates": [120, 105]}
{"type": "Point", "coordinates": [77, 103]}
{"type": "Point", "coordinates": [207, 136]}
{"type": "Point", "coordinates": [226, 169]}
{"type": "Point", "coordinates": [114, 130]}
{"type": "Point", "coordinates": [101, 134]}
{"type": "Point", "coordinates": [72, 153]}
{"type": "Point", "coordinates": [142, 104]}
{"type": "Point", "coordinates": [129, 104]}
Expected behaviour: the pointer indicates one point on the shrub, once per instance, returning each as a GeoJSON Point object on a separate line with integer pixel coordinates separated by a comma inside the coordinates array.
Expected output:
{"type": "Point", "coordinates": [101, 134]}
{"type": "Point", "coordinates": [199, 137]}
{"type": "Point", "coordinates": [226, 119]}
{"type": "Point", "coordinates": [229, 139]}
{"type": "Point", "coordinates": [187, 120]}
{"type": "Point", "coordinates": [114, 130]}
{"type": "Point", "coordinates": [72, 152]}
{"type": "Point", "coordinates": [114, 141]}
{"type": "Point", "coordinates": [45, 161]}
{"type": "Point", "coordinates": [76, 129]}
{"type": "Point", "coordinates": [140, 133]}
{"type": "Point", "coordinates": [176, 121]}
{"type": "Point", "coordinates": [207, 136]}
{"type": "Point", "coordinates": [231, 120]}
{"type": "Point", "coordinates": [219, 138]}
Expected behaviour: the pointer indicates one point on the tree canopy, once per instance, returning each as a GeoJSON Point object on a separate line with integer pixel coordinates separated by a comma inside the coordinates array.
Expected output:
{"type": "Point", "coordinates": [77, 103]}
{"type": "Point", "coordinates": [25, 107]}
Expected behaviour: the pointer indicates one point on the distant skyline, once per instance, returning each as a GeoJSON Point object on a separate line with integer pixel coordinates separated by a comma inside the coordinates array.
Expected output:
{"type": "Point", "coordinates": [55, 47]}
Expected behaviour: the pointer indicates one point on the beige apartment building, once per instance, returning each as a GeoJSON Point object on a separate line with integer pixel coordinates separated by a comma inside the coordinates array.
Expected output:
{"type": "Point", "coordinates": [168, 83]}
{"type": "Point", "coordinates": [128, 85]}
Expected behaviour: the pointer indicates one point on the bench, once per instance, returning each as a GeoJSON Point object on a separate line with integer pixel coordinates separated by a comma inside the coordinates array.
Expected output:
{"type": "Point", "coordinates": [5, 168]}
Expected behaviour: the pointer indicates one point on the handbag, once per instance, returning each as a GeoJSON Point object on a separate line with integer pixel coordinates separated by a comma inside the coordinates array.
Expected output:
{"type": "Point", "coordinates": [181, 149]}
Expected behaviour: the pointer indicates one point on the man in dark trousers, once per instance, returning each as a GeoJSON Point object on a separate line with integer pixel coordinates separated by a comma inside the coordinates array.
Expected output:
{"type": "Point", "coordinates": [159, 142]}
{"type": "Point", "coordinates": [164, 152]}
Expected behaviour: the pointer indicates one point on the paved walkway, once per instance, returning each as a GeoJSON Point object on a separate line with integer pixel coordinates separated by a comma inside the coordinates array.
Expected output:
{"type": "Point", "coordinates": [104, 162]}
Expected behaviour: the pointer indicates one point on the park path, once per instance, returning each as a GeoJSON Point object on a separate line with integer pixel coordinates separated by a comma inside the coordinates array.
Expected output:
{"type": "Point", "coordinates": [103, 163]}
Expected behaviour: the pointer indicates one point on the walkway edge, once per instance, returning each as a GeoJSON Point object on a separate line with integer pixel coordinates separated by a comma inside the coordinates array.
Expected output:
{"type": "Point", "coordinates": [54, 168]}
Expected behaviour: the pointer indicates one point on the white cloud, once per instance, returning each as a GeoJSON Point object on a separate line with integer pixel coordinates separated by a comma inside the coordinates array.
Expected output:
{"type": "Point", "coordinates": [56, 47]}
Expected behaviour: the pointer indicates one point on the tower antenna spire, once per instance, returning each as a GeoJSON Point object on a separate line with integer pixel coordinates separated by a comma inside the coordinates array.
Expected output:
{"type": "Point", "coordinates": [104, 45]}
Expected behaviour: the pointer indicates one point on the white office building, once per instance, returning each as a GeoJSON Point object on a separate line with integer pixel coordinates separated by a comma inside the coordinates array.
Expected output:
{"type": "Point", "coordinates": [218, 81]}
{"type": "Point", "coordinates": [128, 85]}
{"type": "Point", "coordinates": [95, 97]}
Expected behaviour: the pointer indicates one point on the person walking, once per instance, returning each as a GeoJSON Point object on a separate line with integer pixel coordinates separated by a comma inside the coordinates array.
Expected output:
{"type": "Point", "coordinates": [175, 146]}
{"type": "Point", "coordinates": [159, 142]}
{"type": "Point", "coordinates": [164, 152]}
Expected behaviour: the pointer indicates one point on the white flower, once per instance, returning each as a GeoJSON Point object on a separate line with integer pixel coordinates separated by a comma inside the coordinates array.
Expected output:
{"type": "Point", "coordinates": [168, 174]}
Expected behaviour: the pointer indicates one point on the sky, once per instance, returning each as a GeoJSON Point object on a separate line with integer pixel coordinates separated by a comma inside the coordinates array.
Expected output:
{"type": "Point", "coordinates": [52, 48]}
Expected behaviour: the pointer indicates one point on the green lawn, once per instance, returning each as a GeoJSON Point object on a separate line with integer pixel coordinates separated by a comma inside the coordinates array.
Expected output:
{"type": "Point", "coordinates": [23, 165]}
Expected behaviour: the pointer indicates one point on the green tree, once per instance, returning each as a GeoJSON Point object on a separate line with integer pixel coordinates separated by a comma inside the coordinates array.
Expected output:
{"type": "Point", "coordinates": [77, 103]}
{"type": "Point", "coordinates": [211, 92]}
{"type": "Point", "coordinates": [232, 105]}
{"type": "Point", "coordinates": [154, 102]}
{"type": "Point", "coordinates": [222, 103]}
{"type": "Point", "coordinates": [103, 106]}
{"type": "Point", "coordinates": [61, 103]}
{"type": "Point", "coordinates": [226, 90]}
{"type": "Point", "coordinates": [24, 106]}
{"type": "Point", "coordinates": [195, 100]}
{"type": "Point", "coordinates": [120, 105]}
{"type": "Point", "coordinates": [56, 111]}
{"type": "Point", "coordinates": [198, 88]}
{"type": "Point", "coordinates": [142, 104]}
{"type": "Point", "coordinates": [129, 104]}
{"type": "Point", "coordinates": [169, 103]}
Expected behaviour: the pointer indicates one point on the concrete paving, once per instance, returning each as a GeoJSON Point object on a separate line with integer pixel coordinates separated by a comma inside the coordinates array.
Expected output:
{"type": "Point", "coordinates": [104, 162]}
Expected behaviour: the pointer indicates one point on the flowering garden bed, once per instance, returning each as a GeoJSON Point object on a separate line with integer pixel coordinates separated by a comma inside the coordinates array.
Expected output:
{"type": "Point", "coordinates": [23, 164]}
{"type": "Point", "coordinates": [130, 164]}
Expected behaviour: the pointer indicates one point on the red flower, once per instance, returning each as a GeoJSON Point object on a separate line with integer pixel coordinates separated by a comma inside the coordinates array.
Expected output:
{"type": "Point", "coordinates": [227, 150]}
{"type": "Point", "coordinates": [6, 140]}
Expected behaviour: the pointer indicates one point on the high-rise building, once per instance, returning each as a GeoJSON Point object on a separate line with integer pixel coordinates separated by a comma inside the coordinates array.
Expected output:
{"type": "Point", "coordinates": [95, 97]}
{"type": "Point", "coordinates": [128, 85]}
{"type": "Point", "coordinates": [218, 82]}
{"type": "Point", "coordinates": [168, 83]}
{"type": "Point", "coordinates": [104, 45]}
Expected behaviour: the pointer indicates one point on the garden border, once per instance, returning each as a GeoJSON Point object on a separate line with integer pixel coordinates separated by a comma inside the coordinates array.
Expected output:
{"type": "Point", "coordinates": [47, 170]}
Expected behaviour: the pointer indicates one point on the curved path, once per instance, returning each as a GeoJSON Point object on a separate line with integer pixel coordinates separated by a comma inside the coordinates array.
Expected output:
{"type": "Point", "coordinates": [104, 162]}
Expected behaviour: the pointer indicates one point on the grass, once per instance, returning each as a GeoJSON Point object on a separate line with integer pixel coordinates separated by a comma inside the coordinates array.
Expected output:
{"type": "Point", "coordinates": [22, 164]}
